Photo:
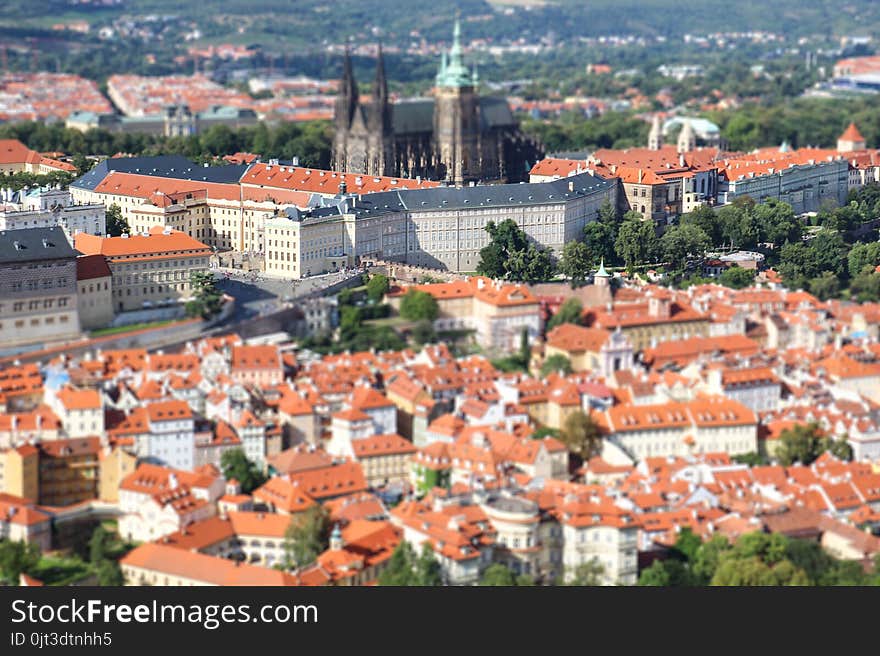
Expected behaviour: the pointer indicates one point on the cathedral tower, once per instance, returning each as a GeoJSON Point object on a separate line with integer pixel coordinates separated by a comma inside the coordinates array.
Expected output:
{"type": "Point", "coordinates": [456, 116]}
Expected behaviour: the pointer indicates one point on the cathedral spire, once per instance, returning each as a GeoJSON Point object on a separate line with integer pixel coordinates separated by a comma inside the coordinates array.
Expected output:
{"type": "Point", "coordinates": [381, 112]}
{"type": "Point", "coordinates": [347, 100]}
{"type": "Point", "coordinates": [453, 72]}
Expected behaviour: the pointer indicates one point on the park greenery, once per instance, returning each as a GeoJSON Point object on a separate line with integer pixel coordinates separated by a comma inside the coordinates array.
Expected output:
{"type": "Point", "coordinates": [235, 465]}
{"type": "Point", "coordinates": [417, 305]}
{"type": "Point", "coordinates": [307, 536]}
{"type": "Point", "coordinates": [804, 443]}
{"type": "Point", "coordinates": [207, 299]}
{"type": "Point", "coordinates": [755, 559]}
{"type": "Point", "coordinates": [510, 255]}
{"type": "Point", "coordinates": [406, 568]}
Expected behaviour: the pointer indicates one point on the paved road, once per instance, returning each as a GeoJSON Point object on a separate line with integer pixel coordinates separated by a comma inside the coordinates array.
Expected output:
{"type": "Point", "coordinates": [255, 295]}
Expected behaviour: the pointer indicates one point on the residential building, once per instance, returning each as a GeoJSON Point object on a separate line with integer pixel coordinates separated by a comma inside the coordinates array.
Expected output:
{"type": "Point", "coordinates": [149, 270]}
{"type": "Point", "coordinates": [37, 287]}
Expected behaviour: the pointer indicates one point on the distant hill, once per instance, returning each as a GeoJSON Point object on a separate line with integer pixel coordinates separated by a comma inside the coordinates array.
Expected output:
{"type": "Point", "coordinates": [314, 21]}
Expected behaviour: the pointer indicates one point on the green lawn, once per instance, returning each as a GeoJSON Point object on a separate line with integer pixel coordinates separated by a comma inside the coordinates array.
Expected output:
{"type": "Point", "coordinates": [55, 570]}
{"type": "Point", "coordinates": [393, 322]}
{"type": "Point", "coordinates": [114, 330]}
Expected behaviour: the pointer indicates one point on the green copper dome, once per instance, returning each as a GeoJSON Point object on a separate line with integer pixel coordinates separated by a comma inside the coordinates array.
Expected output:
{"type": "Point", "coordinates": [453, 72]}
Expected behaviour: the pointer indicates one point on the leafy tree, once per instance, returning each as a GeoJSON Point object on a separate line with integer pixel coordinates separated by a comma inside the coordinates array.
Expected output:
{"type": "Point", "coordinates": [581, 434]}
{"type": "Point", "coordinates": [17, 557]}
{"type": "Point", "coordinates": [569, 312]}
{"type": "Point", "coordinates": [839, 448]}
{"type": "Point", "coordinates": [576, 262]}
{"type": "Point", "coordinates": [423, 332]}
{"type": "Point", "coordinates": [427, 570]}
{"type": "Point", "coordinates": [704, 218]}
{"type": "Point", "coordinates": [825, 286]}
{"type": "Point", "coordinates": [636, 242]}
{"type": "Point", "coordinates": [681, 243]}
{"type": "Point", "coordinates": [400, 568]}
{"type": "Point", "coordinates": [235, 464]}
{"type": "Point", "coordinates": [511, 256]}
{"type": "Point", "coordinates": [671, 572]}
{"type": "Point", "coordinates": [736, 277]}
{"type": "Point", "coordinates": [498, 575]}
{"type": "Point", "coordinates": [739, 228]}
{"type": "Point", "coordinates": [109, 573]}
{"type": "Point", "coordinates": [828, 251]}
{"type": "Point", "coordinates": [687, 544]}
{"type": "Point", "coordinates": [777, 222]}
{"type": "Point", "coordinates": [599, 240]}
{"type": "Point", "coordinates": [863, 255]}
{"type": "Point", "coordinates": [802, 443]}
{"type": "Point", "coordinates": [866, 286]}
{"type": "Point", "coordinates": [99, 544]}
{"type": "Point", "coordinates": [417, 305]}
{"type": "Point", "coordinates": [208, 299]}
{"type": "Point", "coordinates": [116, 224]}
{"type": "Point", "coordinates": [797, 264]}
{"type": "Point", "coordinates": [524, 580]}
{"type": "Point", "coordinates": [556, 362]}
{"type": "Point", "coordinates": [377, 288]}
{"type": "Point", "coordinates": [307, 536]}
{"type": "Point", "coordinates": [590, 573]}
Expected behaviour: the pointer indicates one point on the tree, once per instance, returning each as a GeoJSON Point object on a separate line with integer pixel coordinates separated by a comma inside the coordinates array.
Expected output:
{"type": "Point", "coordinates": [569, 312]}
{"type": "Point", "coordinates": [828, 252]}
{"type": "Point", "coordinates": [576, 262]}
{"type": "Point", "coordinates": [207, 298]}
{"type": "Point", "coordinates": [681, 243]}
{"type": "Point", "coordinates": [235, 464]}
{"type": "Point", "coordinates": [590, 573]}
{"type": "Point", "coordinates": [738, 225]}
{"type": "Point", "coordinates": [866, 286]}
{"type": "Point", "coordinates": [825, 286]}
{"type": "Point", "coordinates": [116, 225]}
{"type": "Point", "coordinates": [498, 575]}
{"type": "Point", "coordinates": [863, 255]}
{"type": "Point", "coordinates": [511, 256]}
{"type": "Point", "coordinates": [426, 569]}
{"type": "Point", "coordinates": [687, 544]}
{"type": "Point", "coordinates": [736, 277]}
{"type": "Point", "coordinates": [581, 434]}
{"type": "Point", "coordinates": [307, 536]}
{"type": "Point", "coordinates": [636, 242]}
{"type": "Point", "coordinates": [704, 218]}
{"type": "Point", "coordinates": [417, 305]}
{"type": "Point", "coordinates": [656, 575]}
{"type": "Point", "coordinates": [777, 223]}
{"type": "Point", "coordinates": [399, 571]}
{"type": "Point", "coordinates": [99, 544]}
{"type": "Point", "coordinates": [377, 288]}
{"type": "Point", "coordinates": [423, 332]}
{"type": "Point", "coordinates": [797, 264]}
{"type": "Point", "coordinates": [16, 558]}
{"type": "Point", "coordinates": [802, 443]}
{"type": "Point", "coordinates": [599, 240]}
{"type": "Point", "coordinates": [109, 573]}
{"type": "Point", "coordinates": [556, 363]}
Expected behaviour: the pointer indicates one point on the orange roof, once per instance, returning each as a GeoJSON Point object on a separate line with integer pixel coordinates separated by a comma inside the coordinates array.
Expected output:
{"type": "Point", "coordinates": [255, 357]}
{"type": "Point", "coordinates": [382, 445]}
{"type": "Point", "coordinates": [297, 178]}
{"type": "Point", "coordinates": [851, 134]}
{"type": "Point", "coordinates": [12, 151]}
{"type": "Point", "coordinates": [574, 338]}
{"type": "Point", "coordinates": [169, 411]}
{"type": "Point", "coordinates": [367, 398]}
{"type": "Point", "coordinates": [77, 399]}
{"type": "Point", "coordinates": [203, 568]}
{"type": "Point", "coordinates": [281, 493]}
{"type": "Point", "coordinates": [329, 482]}
{"type": "Point", "coordinates": [554, 166]}
{"type": "Point", "coordinates": [156, 244]}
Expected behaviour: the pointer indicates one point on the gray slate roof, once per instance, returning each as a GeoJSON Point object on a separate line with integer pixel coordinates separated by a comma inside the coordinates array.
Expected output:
{"type": "Point", "coordinates": [417, 115]}
{"type": "Point", "coordinates": [163, 166]}
{"type": "Point", "coordinates": [34, 244]}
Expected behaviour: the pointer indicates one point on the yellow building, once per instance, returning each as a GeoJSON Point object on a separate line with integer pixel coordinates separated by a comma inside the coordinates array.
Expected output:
{"type": "Point", "coordinates": [20, 472]}
{"type": "Point", "coordinates": [149, 271]}
{"type": "Point", "coordinates": [114, 465]}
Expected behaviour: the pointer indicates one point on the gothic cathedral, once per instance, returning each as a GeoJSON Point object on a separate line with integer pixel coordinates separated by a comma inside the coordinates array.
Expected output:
{"type": "Point", "coordinates": [456, 135]}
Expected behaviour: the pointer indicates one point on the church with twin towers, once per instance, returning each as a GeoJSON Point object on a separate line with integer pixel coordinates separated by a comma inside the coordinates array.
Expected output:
{"type": "Point", "coordinates": [455, 135]}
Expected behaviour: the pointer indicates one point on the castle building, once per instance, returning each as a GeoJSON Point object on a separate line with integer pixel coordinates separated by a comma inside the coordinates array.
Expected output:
{"type": "Point", "coordinates": [456, 135]}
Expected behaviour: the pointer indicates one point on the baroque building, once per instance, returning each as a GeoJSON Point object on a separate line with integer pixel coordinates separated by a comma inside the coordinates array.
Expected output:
{"type": "Point", "coordinates": [456, 135]}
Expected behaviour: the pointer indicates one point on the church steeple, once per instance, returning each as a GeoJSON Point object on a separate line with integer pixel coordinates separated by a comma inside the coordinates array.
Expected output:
{"type": "Point", "coordinates": [453, 73]}
{"type": "Point", "coordinates": [347, 100]}
{"type": "Point", "coordinates": [381, 116]}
